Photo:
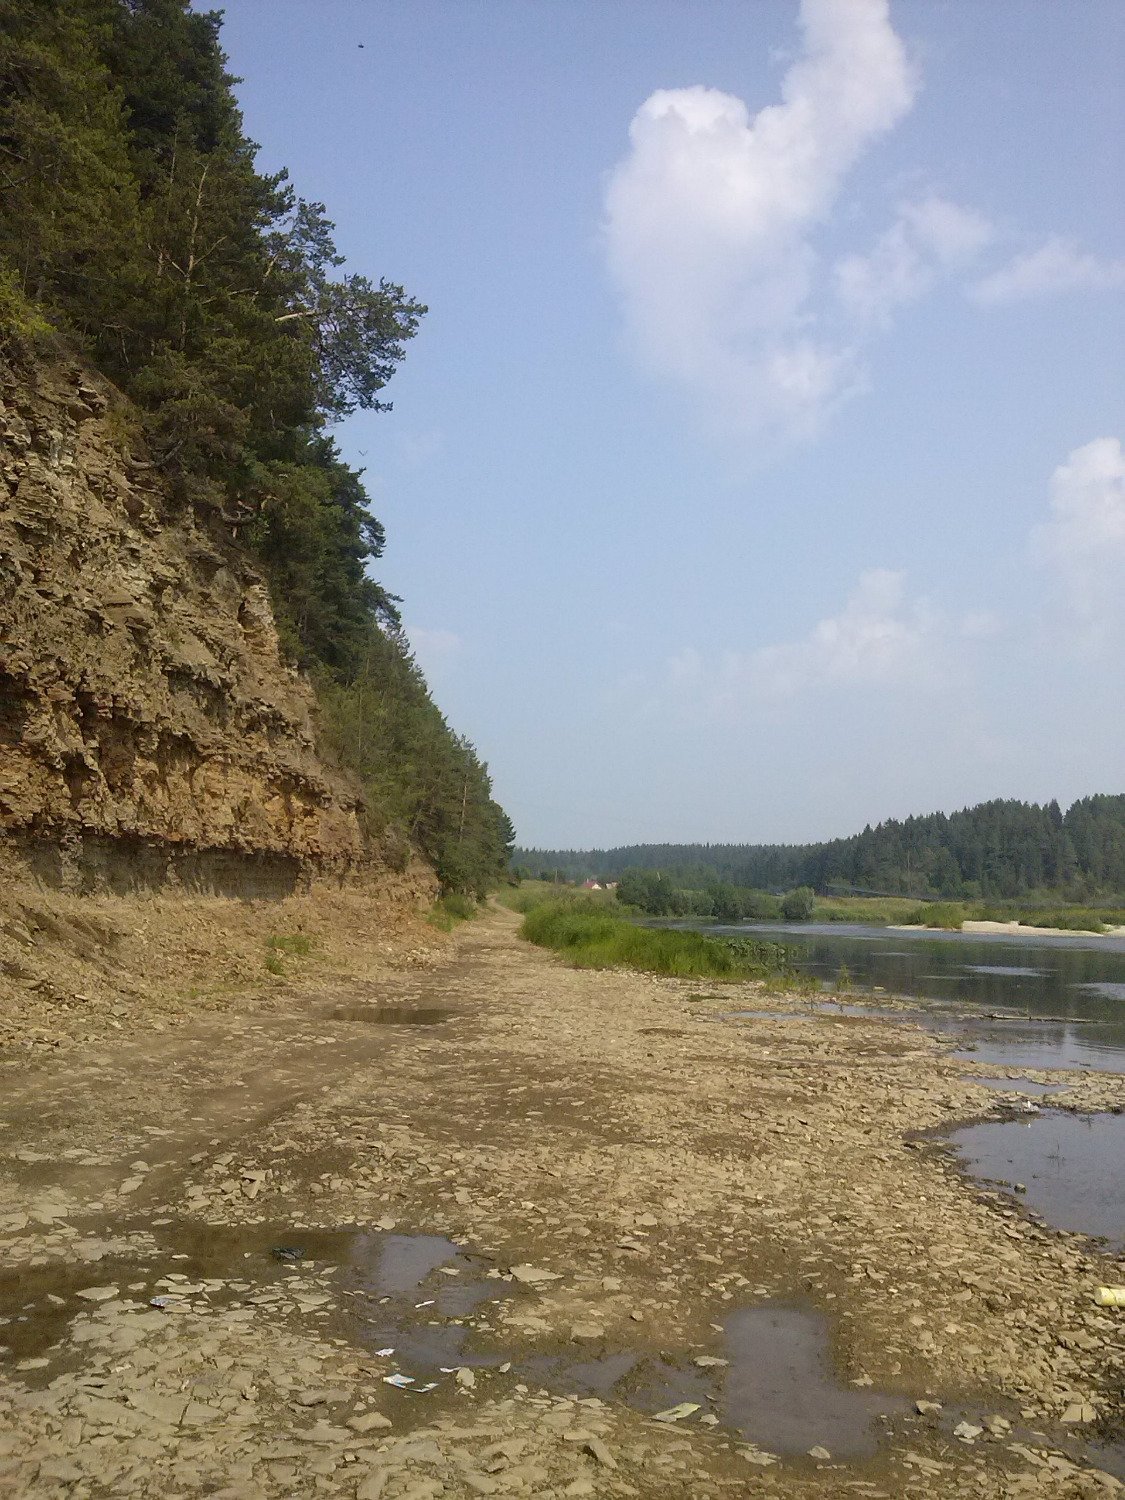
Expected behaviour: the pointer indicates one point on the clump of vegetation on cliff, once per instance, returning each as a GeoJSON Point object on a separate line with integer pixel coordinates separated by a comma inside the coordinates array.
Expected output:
{"type": "Point", "coordinates": [137, 223]}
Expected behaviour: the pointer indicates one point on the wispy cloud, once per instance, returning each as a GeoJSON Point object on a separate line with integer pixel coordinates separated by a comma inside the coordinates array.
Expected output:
{"type": "Point", "coordinates": [1058, 265]}
{"type": "Point", "coordinates": [1084, 541]}
{"type": "Point", "coordinates": [709, 217]}
{"type": "Point", "coordinates": [880, 638]}
{"type": "Point", "coordinates": [929, 238]}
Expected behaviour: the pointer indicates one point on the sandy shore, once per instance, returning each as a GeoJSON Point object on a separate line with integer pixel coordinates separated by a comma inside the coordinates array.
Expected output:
{"type": "Point", "coordinates": [1017, 929]}
{"type": "Point", "coordinates": [1020, 930]}
{"type": "Point", "coordinates": [648, 1165]}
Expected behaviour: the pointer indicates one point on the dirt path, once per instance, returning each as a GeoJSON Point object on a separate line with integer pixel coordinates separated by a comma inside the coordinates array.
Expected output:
{"type": "Point", "coordinates": [737, 1215]}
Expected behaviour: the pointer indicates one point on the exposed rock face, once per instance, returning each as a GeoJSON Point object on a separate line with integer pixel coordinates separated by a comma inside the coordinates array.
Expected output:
{"type": "Point", "coordinates": [149, 729]}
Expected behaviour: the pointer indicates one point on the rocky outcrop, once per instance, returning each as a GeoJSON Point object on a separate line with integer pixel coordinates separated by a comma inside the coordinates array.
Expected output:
{"type": "Point", "coordinates": [149, 728]}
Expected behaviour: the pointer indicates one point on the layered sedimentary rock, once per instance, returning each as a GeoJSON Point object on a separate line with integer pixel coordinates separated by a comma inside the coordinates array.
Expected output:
{"type": "Point", "coordinates": [149, 729]}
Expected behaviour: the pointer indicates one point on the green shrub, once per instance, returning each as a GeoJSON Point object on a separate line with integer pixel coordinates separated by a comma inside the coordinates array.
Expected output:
{"type": "Point", "coordinates": [798, 905]}
{"type": "Point", "coordinates": [947, 915]}
{"type": "Point", "coordinates": [450, 909]}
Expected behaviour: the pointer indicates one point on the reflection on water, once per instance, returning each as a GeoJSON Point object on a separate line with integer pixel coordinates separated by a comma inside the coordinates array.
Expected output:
{"type": "Point", "coordinates": [782, 1392]}
{"type": "Point", "coordinates": [1051, 1002]}
{"type": "Point", "coordinates": [1017, 971]}
{"type": "Point", "coordinates": [1071, 1167]}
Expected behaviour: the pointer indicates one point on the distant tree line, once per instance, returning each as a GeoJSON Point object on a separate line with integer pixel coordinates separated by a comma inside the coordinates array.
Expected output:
{"type": "Point", "coordinates": [137, 226]}
{"type": "Point", "coordinates": [1001, 849]}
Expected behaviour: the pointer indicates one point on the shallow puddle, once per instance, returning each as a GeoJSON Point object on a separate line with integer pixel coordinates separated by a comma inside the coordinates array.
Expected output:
{"type": "Point", "coordinates": [222, 1265]}
{"type": "Point", "coordinates": [774, 1384]}
{"type": "Point", "coordinates": [1072, 1167]}
{"type": "Point", "coordinates": [399, 1263]}
{"type": "Point", "coordinates": [423, 1305]}
{"type": "Point", "coordinates": [1017, 1085]}
{"type": "Point", "coordinates": [766, 1015]}
{"type": "Point", "coordinates": [866, 1012]}
{"type": "Point", "coordinates": [781, 1391]}
{"type": "Point", "coordinates": [582, 1377]}
{"type": "Point", "coordinates": [389, 1015]}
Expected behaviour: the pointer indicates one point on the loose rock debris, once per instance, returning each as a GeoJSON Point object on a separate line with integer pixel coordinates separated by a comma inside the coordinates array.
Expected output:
{"type": "Point", "coordinates": [609, 1210]}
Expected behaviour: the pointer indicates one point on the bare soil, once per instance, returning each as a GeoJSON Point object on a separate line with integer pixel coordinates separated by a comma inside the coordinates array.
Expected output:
{"type": "Point", "coordinates": [550, 1201]}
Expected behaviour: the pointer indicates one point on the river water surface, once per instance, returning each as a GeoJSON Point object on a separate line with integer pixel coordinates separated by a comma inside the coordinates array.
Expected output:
{"type": "Point", "coordinates": [1057, 1002]}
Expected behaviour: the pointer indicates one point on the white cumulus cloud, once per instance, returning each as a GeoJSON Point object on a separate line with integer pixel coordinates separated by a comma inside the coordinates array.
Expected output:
{"type": "Point", "coordinates": [1084, 541]}
{"type": "Point", "coordinates": [709, 215]}
{"type": "Point", "coordinates": [1058, 265]}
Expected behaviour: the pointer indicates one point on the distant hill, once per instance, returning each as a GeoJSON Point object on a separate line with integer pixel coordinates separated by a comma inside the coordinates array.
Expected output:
{"type": "Point", "coordinates": [1003, 848]}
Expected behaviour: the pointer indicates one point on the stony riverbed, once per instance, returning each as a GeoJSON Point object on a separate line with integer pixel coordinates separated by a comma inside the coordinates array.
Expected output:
{"type": "Point", "coordinates": [580, 1234]}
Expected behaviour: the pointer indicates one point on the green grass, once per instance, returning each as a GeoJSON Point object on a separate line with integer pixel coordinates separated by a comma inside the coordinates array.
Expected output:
{"type": "Point", "coordinates": [1069, 918]}
{"type": "Point", "coordinates": [296, 944]}
{"type": "Point", "coordinates": [450, 909]}
{"type": "Point", "coordinates": [282, 945]}
{"type": "Point", "coordinates": [946, 915]}
{"type": "Point", "coordinates": [591, 938]}
{"type": "Point", "coordinates": [529, 894]}
{"type": "Point", "coordinates": [886, 910]}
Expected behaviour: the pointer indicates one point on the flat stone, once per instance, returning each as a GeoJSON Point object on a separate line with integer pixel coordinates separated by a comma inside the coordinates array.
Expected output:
{"type": "Point", "coordinates": [597, 1449]}
{"type": "Point", "coordinates": [326, 1397]}
{"type": "Point", "coordinates": [60, 1469]}
{"type": "Point", "coordinates": [168, 1409]}
{"type": "Point", "coordinates": [580, 1331]}
{"type": "Point", "coordinates": [1078, 1411]}
{"type": "Point", "coordinates": [369, 1421]}
{"type": "Point", "coordinates": [533, 1275]}
{"type": "Point", "coordinates": [197, 1414]}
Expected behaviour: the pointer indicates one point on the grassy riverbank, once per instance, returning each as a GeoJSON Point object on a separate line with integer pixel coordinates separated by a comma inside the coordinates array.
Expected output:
{"type": "Point", "coordinates": [951, 915]}
{"type": "Point", "coordinates": [591, 937]}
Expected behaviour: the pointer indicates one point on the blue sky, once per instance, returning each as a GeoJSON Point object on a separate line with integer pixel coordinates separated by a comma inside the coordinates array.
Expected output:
{"type": "Point", "coordinates": [757, 470]}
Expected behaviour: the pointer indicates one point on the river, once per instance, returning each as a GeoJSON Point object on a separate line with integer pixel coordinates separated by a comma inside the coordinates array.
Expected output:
{"type": "Point", "coordinates": [1059, 1001]}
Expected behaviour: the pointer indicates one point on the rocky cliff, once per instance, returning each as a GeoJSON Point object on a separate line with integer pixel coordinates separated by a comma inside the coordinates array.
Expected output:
{"type": "Point", "coordinates": [150, 731]}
